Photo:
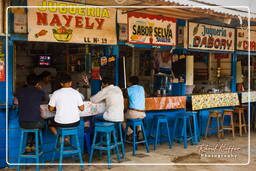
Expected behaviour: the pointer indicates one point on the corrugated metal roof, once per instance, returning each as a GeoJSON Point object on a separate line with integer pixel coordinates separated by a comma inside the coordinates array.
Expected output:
{"type": "Point", "coordinates": [236, 9]}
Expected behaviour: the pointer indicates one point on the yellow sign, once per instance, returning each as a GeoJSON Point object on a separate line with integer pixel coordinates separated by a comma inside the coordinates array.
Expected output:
{"type": "Point", "coordinates": [209, 37]}
{"type": "Point", "coordinates": [73, 23]}
{"type": "Point", "coordinates": [151, 29]}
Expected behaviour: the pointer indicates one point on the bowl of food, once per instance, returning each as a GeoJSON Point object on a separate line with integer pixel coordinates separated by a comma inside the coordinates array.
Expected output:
{"type": "Point", "coordinates": [62, 34]}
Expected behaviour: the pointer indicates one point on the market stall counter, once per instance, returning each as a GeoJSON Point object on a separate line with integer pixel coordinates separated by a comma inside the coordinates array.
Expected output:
{"type": "Point", "coordinates": [203, 103]}
{"type": "Point", "coordinates": [14, 130]}
{"type": "Point", "coordinates": [167, 106]}
{"type": "Point", "coordinates": [248, 99]}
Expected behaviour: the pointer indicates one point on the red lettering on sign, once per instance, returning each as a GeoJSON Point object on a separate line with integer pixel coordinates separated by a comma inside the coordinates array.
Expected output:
{"type": "Point", "coordinates": [196, 41]}
{"type": "Point", "coordinates": [217, 43]}
{"type": "Point", "coordinates": [253, 46]}
{"type": "Point", "coordinates": [245, 44]}
{"type": "Point", "coordinates": [229, 43]}
{"type": "Point", "coordinates": [55, 20]}
{"type": "Point", "coordinates": [223, 43]}
{"type": "Point", "coordinates": [79, 22]}
{"type": "Point", "coordinates": [87, 23]}
{"type": "Point", "coordinates": [41, 18]}
{"type": "Point", "coordinates": [210, 42]}
{"type": "Point", "coordinates": [204, 42]}
{"type": "Point", "coordinates": [68, 19]}
{"type": "Point", "coordinates": [100, 23]}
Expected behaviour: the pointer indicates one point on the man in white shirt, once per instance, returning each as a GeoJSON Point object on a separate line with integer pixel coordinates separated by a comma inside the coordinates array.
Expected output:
{"type": "Point", "coordinates": [113, 97]}
{"type": "Point", "coordinates": [68, 103]}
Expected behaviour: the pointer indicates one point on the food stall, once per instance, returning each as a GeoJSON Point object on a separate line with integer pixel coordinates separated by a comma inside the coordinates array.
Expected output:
{"type": "Point", "coordinates": [214, 69]}
{"type": "Point", "coordinates": [148, 46]}
{"type": "Point", "coordinates": [58, 43]}
{"type": "Point", "coordinates": [243, 69]}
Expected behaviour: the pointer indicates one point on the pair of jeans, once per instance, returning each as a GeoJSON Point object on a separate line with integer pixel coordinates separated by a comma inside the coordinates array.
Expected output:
{"type": "Point", "coordinates": [31, 125]}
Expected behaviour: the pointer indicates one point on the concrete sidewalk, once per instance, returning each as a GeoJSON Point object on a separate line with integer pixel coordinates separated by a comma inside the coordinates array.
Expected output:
{"type": "Point", "coordinates": [178, 155]}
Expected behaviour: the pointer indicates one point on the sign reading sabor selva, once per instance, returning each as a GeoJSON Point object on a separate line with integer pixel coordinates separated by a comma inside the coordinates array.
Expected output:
{"type": "Point", "coordinates": [151, 29]}
{"type": "Point", "coordinates": [71, 23]}
{"type": "Point", "coordinates": [209, 37]}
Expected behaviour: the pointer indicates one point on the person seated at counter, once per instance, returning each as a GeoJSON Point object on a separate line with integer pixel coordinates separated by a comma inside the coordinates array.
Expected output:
{"type": "Point", "coordinates": [29, 100]}
{"type": "Point", "coordinates": [113, 97]}
{"type": "Point", "coordinates": [68, 103]}
{"type": "Point", "coordinates": [45, 82]}
{"type": "Point", "coordinates": [136, 100]}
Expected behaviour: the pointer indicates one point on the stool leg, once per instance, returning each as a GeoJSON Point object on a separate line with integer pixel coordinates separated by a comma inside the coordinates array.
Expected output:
{"type": "Point", "coordinates": [232, 126]}
{"type": "Point", "coordinates": [195, 130]}
{"type": "Point", "coordinates": [121, 139]}
{"type": "Point", "coordinates": [92, 148]}
{"type": "Point", "coordinates": [61, 153]}
{"type": "Point", "coordinates": [21, 150]}
{"type": "Point", "coordinates": [244, 122]}
{"type": "Point", "coordinates": [221, 128]}
{"type": "Point", "coordinates": [108, 151]}
{"type": "Point", "coordinates": [126, 131]}
{"type": "Point", "coordinates": [55, 148]}
{"type": "Point", "coordinates": [115, 141]}
{"type": "Point", "coordinates": [101, 142]}
{"type": "Point", "coordinates": [156, 135]}
{"type": "Point", "coordinates": [185, 133]}
{"type": "Point", "coordinates": [240, 123]}
{"type": "Point", "coordinates": [190, 130]}
{"type": "Point", "coordinates": [174, 129]}
{"type": "Point", "coordinates": [218, 128]}
{"type": "Point", "coordinates": [222, 122]}
{"type": "Point", "coordinates": [207, 127]}
{"type": "Point", "coordinates": [151, 133]}
{"type": "Point", "coordinates": [134, 141]}
{"type": "Point", "coordinates": [168, 134]}
{"type": "Point", "coordinates": [37, 151]}
{"type": "Point", "coordinates": [80, 153]}
{"type": "Point", "coordinates": [145, 137]}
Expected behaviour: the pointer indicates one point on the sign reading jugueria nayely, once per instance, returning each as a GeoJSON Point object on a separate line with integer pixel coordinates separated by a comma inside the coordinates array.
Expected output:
{"type": "Point", "coordinates": [151, 29]}
{"type": "Point", "coordinates": [72, 23]}
{"type": "Point", "coordinates": [209, 37]}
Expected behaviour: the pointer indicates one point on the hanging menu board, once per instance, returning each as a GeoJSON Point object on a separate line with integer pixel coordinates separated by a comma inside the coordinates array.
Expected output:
{"type": "Point", "coordinates": [107, 67]}
{"type": "Point", "coordinates": [209, 37]}
{"type": "Point", "coordinates": [151, 29]}
{"type": "Point", "coordinates": [243, 40]}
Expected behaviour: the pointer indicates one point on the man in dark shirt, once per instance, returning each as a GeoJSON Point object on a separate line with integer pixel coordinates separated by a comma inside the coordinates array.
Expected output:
{"type": "Point", "coordinates": [29, 100]}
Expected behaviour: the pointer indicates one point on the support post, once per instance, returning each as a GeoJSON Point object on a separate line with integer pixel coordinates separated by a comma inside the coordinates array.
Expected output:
{"type": "Point", "coordinates": [116, 54]}
{"type": "Point", "coordinates": [233, 68]}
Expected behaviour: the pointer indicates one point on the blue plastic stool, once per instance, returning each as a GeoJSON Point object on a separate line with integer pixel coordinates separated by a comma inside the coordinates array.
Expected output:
{"type": "Point", "coordinates": [134, 123]}
{"type": "Point", "coordinates": [184, 118]}
{"type": "Point", "coordinates": [34, 155]}
{"type": "Point", "coordinates": [105, 130]}
{"type": "Point", "coordinates": [196, 133]}
{"type": "Point", "coordinates": [158, 124]}
{"type": "Point", "coordinates": [70, 150]}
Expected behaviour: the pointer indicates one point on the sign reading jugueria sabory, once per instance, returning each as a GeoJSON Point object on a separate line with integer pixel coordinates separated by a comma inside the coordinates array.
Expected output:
{"type": "Point", "coordinates": [73, 24]}
{"type": "Point", "coordinates": [209, 37]}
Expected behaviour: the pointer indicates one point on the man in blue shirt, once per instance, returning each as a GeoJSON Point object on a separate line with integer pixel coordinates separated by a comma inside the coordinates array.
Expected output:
{"type": "Point", "coordinates": [136, 97]}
